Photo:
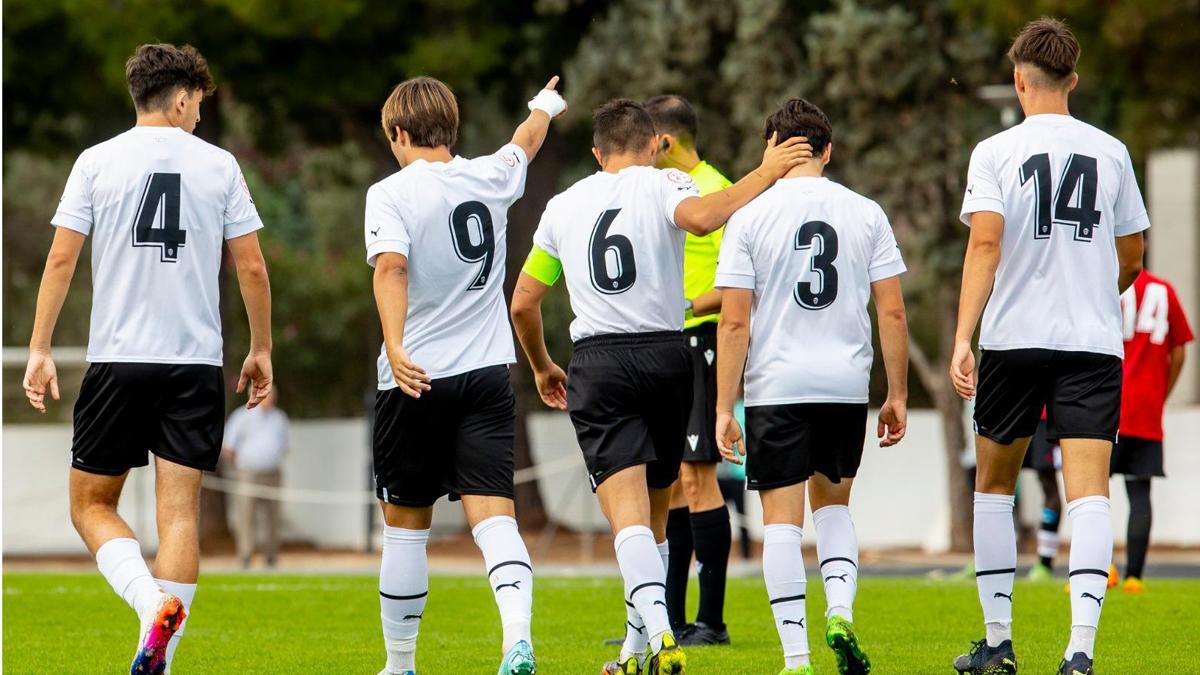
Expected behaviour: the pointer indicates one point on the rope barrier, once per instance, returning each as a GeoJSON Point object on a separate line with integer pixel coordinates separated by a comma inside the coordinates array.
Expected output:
{"type": "Point", "coordinates": [363, 497]}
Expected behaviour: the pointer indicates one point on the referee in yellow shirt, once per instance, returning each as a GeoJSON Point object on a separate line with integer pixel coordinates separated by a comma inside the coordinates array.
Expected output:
{"type": "Point", "coordinates": [699, 520]}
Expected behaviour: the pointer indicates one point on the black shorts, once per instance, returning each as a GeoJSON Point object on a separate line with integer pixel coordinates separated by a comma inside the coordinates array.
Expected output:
{"type": "Point", "coordinates": [1080, 391]}
{"type": "Point", "coordinates": [1040, 456]}
{"type": "Point", "coordinates": [787, 444]}
{"type": "Point", "coordinates": [629, 397]}
{"type": "Point", "coordinates": [457, 439]}
{"type": "Point", "coordinates": [701, 443]}
{"type": "Point", "coordinates": [127, 410]}
{"type": "Point", "coordinates": [1137, 457]}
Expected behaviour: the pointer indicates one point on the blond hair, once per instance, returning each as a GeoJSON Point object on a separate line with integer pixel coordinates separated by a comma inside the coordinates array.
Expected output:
{"type": "Point", "coordinates": [426, 109]}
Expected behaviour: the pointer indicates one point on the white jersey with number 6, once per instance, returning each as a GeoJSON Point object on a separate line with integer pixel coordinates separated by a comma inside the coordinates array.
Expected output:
{"type": "Point", "coordinates": [621, 253]}
{"type": "Point", "coordinates": [450, 219]}
{"type": "Point", "coordinates": [810, 249]}
{"type": "Point", "coordinates": [158, 204]}
{"type": "Point", "coordinates": [1066, 190]}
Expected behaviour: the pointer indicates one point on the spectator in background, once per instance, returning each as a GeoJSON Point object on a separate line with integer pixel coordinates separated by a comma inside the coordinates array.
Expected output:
{"type": "Point", "coordinates": [256, 441]}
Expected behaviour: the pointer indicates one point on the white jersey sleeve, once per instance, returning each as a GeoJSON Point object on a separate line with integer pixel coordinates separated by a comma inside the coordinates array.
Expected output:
{"type": "Point", "coordinates": [241, 216]}
{"type": "Point", "coordinates": [983, 186]}
{"type": "Point", "coordinates": [384, 226]}
{"type": "Point", "coordinates": [75, 208]}
{"type": "Point", "coordinates": [544, 236]}
{"type": "Point", "coordinates": [886, 260]}
{"type": "Point", "coordinates": [1129, 212]}
{"type": "Point", "coordinates": [735, 266]}
{"type": "Point", "coordinates": [676, 186]}
{"type": "Point", "coordinates": [505, 170]}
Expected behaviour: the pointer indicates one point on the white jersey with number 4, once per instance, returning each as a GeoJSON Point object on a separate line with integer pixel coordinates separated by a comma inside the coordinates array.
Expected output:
{"type": "Point", "coordinates": [158, 204]}
{"type": "Point", "coordinates": [621, 253]}
{"type": "Point", "coordinates": [1066, 190]}
{"type": "Point", "coordinates": [450, 219]}
{"type": "Point", "coordinates": [810, 249]}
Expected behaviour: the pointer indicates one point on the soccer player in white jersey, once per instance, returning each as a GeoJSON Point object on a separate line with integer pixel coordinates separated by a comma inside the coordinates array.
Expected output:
{"type": "Point", "coordinates": [159, 204]}
{"type": "Point", "coordinates": [797, 269]}
{"type": "Point", "coordinates": [1056, 224]}
{"type": "Point", "coordinates": [444, 415]}
{"type": "Point", "coordinates": [617, 236]}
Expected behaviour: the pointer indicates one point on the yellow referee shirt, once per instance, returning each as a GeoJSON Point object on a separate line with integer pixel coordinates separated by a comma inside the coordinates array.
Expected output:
{"type": "Point", "coordinates": [700, 253]}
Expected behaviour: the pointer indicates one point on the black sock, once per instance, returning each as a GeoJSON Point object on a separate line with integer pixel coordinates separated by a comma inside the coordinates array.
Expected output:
{"type": "Point", "coordinates": [710, 530]}
{"type": "Point", "coordinates": [1137, 538]}
{"type": "Point", "coordinates": [679, 538]}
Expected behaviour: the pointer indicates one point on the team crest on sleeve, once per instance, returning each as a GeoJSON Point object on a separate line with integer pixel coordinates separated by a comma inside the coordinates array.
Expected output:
{"type": "Point", "coordinates": [245, 187]}
{"type": "Point", "coordinates": [510, 158]}
{"type": "Point", "coordinates": [681, 180]}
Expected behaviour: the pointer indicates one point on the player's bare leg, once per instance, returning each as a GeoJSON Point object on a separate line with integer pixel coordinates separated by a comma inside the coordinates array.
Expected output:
{"type": "Point", "coordinates": [94, 508]}
{"type": "Point", "coordinates": [1085, 479]}
{"type": "Point", "coordinates": [403, 583]}
{"type": "Point", "coordinates": [997, 468]}
{"type": "Point", "coordinates": [177, 564]}
{"type": "Point", "coordinates": [509, 573]}
{"type": "Point", "coordinates": [638, 519]}
{"type": "Point", "coordinates": [837, 551]}
{"type": "Point", "coordinates": [783, 571]}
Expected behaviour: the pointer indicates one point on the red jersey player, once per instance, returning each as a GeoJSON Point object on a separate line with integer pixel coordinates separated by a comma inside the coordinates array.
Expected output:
{"type": "Point", "coordinates": [1156, 331]}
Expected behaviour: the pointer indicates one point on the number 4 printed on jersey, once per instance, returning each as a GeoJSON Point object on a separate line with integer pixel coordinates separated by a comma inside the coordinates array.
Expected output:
{"type": "Point", "coordinates": [161, 195]}
{"type": "Point", "coordinates": [1151, 317]}
{"type": "Point", "coordinates": [1075, 200]}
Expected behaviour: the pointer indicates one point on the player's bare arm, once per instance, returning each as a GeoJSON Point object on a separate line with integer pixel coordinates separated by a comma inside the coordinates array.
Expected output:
{"type": "Point", "coordinates": [391, 297]}
{"type": "Point", "coordinates": [1130, 250]}
{"type": "Point", "coordinates": [893, 340]}
{"type": "Point", "coordinates": [979, 273]}
{"type": "Point", "coordinates": [707, 303]}
{"type": "Point", "coordinates": [704, 215]}
{"type": "Point", "coordinates": [1174, 366]}
{"type": "Point", "coordinates": [40, 373]}
{"type": "Point", "coordinates": [527, 322]}
{"type": "Point", "coordinates": [547, 105]}
{"type": "Point", "coordinates": [733, 343]}
{"type": "Point", "coordinates": [256, 293]}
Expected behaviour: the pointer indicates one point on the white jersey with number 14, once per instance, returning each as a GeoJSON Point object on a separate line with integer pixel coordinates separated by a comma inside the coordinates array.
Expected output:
{"type": "Point", "coordinates": [1066, 190]}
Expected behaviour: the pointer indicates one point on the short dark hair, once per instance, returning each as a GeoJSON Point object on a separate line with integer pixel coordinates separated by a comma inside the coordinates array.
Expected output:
{"type": "Point", "coordinates": [621, 125]}
{"type": "Point", "coordinates": [673, 114]}
{"type": "Point", "coordinates": [1048, 44]}
{"type": "Point", "coordinates": [424, 107]}
{"type": "Point", "coordinates": [798, 117]}
{"type": "Point", "coordinates": [156, 72]}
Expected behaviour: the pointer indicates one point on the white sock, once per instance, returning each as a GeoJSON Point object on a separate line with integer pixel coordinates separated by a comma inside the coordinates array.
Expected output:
{"type": "Point", "coordinates": [645, 580]}
{"type": "Point", "coordinates": [186, 593]}
{"type": "Point", "coordinates": [121, 563]}
{"type": "Point", "coordinates": [509, 574]}
{"type": "Point", "coordinates": [837, 549]}
{"type": "Point", "coordinates": [1047, 544]}
{"type": "Point", "coordinates": [403, 587]}
{"type": "Point", "coordinates": [995, 563]}
{"type": "Point", "coordinates": [1091, 556]}
{"type": "Point", "coordinates": [664, 552]}
{"type": "Point", "coordinates": [783, 570]}
{"type": "Point", "coordinates": [635, 634]}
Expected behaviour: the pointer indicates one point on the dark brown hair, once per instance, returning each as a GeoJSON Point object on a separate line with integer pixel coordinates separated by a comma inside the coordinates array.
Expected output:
{"type": "Point", "coordinates": [424, 107]}
{"type": "Point", "coordinates": [621, 125]}
{"type": "Point", "coordinates": [156, 72]}
{"type": "Point", "coordinates": [798, 117]}
{"type": "Point", "coordinates": [1048, 44]}
{"type": "Point", "coordinates": [674, 115]}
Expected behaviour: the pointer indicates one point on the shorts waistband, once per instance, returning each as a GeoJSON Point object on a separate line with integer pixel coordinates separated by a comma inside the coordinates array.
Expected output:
{"type": "Point", "coordinates": [629, 340]}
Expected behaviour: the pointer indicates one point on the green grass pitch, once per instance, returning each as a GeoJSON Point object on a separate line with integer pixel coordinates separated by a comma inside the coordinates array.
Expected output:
{"type": "Point", "coordinates": [329, 624]}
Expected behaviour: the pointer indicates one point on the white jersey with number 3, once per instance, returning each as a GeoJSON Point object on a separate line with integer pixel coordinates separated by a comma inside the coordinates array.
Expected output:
{"type": "Point", "coordinates": [158, 204]}
{"type": "Point", "coordinates": [450, 219]}
{"type": "Point", "coordinates": [621, 253]}
{"type": "Point", "coordinates": [810, 249]}
{"type": "Point", "coordinates": [1066, 190]}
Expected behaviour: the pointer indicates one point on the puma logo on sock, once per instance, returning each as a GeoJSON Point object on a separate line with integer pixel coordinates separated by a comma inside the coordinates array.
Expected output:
{"type": "Point", "coordinates": [799, 623]}
{"type": "Point", "coordinates": [1002, 595]}
{"type": "Point", "coordinates": [640, 629]}
{"type": "Point", "coordinates": [1099, 601]}
{"type": "Point", "coordinates": [840, 577]}
{"type": "Point", "coordinates": [412, 616]}
{"type": "Point", "coordinates": [516, 584]}
{"type": "Point", "coordinates": [660, 602]}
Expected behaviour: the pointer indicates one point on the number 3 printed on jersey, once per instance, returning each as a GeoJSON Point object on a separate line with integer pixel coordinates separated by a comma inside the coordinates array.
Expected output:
{"type": "Point", "coordinates": [820, 240]}
{"type": "Point", "coordinates": [160, 195]}
{"type": "Point", "coordinates": [1075, 201]}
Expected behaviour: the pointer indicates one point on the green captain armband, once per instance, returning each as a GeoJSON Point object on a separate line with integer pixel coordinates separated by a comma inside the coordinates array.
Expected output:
{"type": "Point", "coordinates": [542, 266]}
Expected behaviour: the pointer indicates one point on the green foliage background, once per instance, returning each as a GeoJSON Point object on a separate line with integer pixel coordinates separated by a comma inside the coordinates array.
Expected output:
{"type": "Point", "coordinates": [301, 83]}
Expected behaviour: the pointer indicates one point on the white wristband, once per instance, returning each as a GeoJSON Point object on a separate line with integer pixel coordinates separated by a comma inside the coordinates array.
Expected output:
{"type": "Point", "coordinates": [549, 102]}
